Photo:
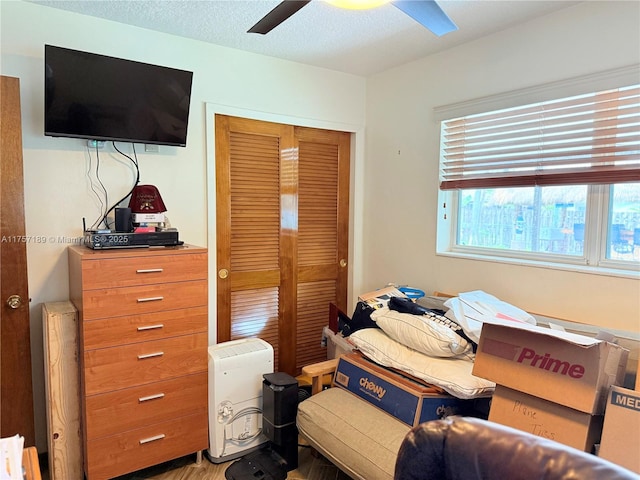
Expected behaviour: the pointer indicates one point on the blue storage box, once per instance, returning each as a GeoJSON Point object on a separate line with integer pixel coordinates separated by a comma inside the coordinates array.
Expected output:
{"type": "Point", "coordinates": [400, 396]}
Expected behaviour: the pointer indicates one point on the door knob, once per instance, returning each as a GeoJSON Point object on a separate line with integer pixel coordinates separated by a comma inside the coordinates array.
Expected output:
{"type": "Point", "coordinates": [14, 301]}
{"type": "Point", "coordinates": [223, 273]}
{"type": "Point", "coordinates": [343, 263]}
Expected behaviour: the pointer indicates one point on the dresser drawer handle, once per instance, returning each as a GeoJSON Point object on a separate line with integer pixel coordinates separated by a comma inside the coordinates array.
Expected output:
{"type": "Point", "coordinates": [150, 270]}
{"type": "Point", "coordinates": [152, 439]}
{"type": "Point", "coordinates": [151, 327]}
{"type": "Point", "coordinates": [150, 299]}
{"type": "Point", "coordinates": [150, 355]}
{"type": "Point", "coordinates": [151, 397]}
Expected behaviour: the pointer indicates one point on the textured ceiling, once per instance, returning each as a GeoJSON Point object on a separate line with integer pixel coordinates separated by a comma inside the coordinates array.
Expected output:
{"type": "Point", "coordinates": [361, 42]}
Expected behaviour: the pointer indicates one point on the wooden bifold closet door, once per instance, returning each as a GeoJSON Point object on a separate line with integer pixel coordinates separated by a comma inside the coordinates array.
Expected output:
{"type": "Point", "coordinates": [282, 205]}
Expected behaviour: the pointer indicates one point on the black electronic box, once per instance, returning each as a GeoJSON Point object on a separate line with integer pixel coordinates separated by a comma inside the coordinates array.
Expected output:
{"type": "Point", "coordinates": [99, 240]}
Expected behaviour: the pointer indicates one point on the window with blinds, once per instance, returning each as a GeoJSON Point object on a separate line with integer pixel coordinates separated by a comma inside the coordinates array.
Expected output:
{"type": "Point", "coordinates": [553, 181]}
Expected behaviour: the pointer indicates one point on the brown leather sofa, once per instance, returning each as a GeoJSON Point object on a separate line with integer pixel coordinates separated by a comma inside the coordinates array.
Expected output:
{"type": "Point", "coordinates": [463, 448]}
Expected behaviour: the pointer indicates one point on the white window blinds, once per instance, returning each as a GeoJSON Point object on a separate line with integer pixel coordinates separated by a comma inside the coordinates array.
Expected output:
{"type": "Point", "coordinates": [592, 138]}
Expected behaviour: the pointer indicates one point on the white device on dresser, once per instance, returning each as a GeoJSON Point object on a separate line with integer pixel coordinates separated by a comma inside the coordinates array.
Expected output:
{"type": "Point", "coordinates": [235, 397]}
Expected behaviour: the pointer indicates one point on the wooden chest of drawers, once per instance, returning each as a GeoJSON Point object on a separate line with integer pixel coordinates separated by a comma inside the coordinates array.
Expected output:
{"type": "Point", "coordinates": [143, 355]}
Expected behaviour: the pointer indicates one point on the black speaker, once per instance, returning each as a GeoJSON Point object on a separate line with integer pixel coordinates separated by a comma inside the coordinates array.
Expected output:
{"type": "Point", "coordinates": [279, 409]}
{"type": "Point", "coordinates": [123, 220]}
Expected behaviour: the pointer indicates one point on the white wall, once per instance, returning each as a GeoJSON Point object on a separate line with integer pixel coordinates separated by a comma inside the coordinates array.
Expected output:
{"type": "Point", "coordinates": [402, 148]}
{"type": "Point", "coordinates": [57, 191]}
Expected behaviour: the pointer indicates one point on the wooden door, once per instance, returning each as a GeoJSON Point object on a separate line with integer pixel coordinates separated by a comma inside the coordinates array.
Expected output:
{"type": "Point", "coordinates": [282, 228]}
{"type": "Point", "coordinates": [16, 392]}
{"type": "Point", "coordinates": [323, 230]}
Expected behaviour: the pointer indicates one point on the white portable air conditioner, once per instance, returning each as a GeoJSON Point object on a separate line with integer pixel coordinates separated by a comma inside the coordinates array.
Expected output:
{"type": "Point", "coordinates": [235, 397]}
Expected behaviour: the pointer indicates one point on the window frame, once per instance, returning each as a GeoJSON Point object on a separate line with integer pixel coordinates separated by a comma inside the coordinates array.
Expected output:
{"type": "Point", "coordinates": [594, 259]}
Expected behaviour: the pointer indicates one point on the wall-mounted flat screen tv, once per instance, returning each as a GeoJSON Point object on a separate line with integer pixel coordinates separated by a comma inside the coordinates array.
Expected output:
{"type": "Point", "coordinates": [105, 98]}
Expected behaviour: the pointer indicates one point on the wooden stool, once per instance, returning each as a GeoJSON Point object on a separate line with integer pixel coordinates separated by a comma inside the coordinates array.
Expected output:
{"type": "Point", "coordinates": [31, 464]}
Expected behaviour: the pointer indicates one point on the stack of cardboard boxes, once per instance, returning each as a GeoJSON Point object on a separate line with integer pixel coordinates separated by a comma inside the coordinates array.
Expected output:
{"type": "Point", "coordinates": [550, 383]}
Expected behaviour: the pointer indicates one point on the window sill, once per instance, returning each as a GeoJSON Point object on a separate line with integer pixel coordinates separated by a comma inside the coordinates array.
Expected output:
{"type": "Point", "coordinates": [544, 262]}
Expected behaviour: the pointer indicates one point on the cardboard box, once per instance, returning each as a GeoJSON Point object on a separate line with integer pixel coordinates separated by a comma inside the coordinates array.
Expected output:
{"type": "Point", "coordinates": [565, 368]}
{"type": "Point", "coordinates": [621, 431]}
{"type": "Point", "coordinates": [399, 396]}
{"type": "Point", "coordinates": [545, 419]}
{"type": "Point", "coordinates": [380, 298]}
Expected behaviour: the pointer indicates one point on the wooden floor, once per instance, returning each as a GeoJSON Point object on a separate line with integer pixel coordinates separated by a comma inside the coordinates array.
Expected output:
{"type": "Point", "coordinates": [310, 467]}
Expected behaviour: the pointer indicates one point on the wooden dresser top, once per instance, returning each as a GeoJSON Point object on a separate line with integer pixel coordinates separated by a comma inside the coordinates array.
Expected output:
{"type": "Point", "coordinates": [88, 253]}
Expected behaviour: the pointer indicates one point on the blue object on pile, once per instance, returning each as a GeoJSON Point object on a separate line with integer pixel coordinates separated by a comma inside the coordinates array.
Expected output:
{"type": "Point", "coordinates": [412, 293]}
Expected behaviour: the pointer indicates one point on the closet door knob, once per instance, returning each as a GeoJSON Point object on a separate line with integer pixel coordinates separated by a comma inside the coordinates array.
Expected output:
{"type": "Point", "coordinates": [223, 273]}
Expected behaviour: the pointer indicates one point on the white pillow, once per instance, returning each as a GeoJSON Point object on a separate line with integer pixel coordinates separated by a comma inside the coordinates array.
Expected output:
{"type": "Point", "coordinates": [451, 374]}
{"type": "Point", "coordinates": [421, 333]}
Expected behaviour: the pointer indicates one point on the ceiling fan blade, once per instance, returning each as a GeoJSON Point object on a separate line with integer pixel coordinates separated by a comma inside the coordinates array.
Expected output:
{"type": "Point", "coordinates": [279, 14]}
{"type": "Point", "coordinates": [428, 13]}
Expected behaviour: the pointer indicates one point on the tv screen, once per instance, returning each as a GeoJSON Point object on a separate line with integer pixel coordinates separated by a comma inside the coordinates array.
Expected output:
{"type": "Point", "coordinates": [105, 98]}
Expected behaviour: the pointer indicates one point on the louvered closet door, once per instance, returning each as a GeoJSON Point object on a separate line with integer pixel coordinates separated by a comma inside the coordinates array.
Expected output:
{"type": "Point", "coordinates": [248, 229]}
{"type": "Point", "coordinates": [279, 231]}
{"type": "Point", "coordinates": [323, 200]}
